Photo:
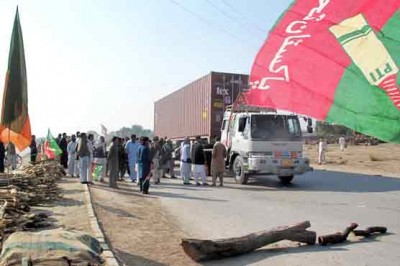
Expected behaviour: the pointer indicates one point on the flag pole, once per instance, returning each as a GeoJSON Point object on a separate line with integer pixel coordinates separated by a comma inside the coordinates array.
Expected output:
{"type": "Point", "coordinates": [9, 162]}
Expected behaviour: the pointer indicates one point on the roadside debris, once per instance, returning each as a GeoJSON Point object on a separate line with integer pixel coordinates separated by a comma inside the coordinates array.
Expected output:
{"type": "Point", "coordinates": [370, 231]}
{"type": "Point", "coordinates": [338, 237]}
{"type": "Point", "coordinates": [200, 250]}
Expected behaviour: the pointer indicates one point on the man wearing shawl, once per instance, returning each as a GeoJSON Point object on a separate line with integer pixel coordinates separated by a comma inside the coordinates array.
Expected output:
{"type": "Point", "coordinates": [113, 162]}
{"type": "Point", "coordinates": [144, 164]}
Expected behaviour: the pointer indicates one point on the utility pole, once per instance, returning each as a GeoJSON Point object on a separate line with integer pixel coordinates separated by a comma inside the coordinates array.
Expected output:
{"type": "Point", "coordinates": [223, 93]}
{"type": "Point", "coordinates": [233, 86]}
{"type": "Point", "coordinates": [240, 85]}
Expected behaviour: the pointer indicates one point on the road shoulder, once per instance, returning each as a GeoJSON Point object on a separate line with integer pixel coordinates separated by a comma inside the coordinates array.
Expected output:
{"type": "Point", "coordinates": [140, 230]}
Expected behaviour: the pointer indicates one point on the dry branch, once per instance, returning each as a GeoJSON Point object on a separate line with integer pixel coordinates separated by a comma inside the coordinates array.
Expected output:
{"type": "Point", "coordinates": [199, 250]}
{"type": "Point", "coordinates": [337, 237]}
{"type": "Point", "coordinates": [370, 231]}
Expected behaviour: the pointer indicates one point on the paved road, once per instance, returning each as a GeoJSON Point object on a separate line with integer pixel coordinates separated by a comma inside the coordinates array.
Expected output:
{"type": "Point", "coordinates": [330, 200]}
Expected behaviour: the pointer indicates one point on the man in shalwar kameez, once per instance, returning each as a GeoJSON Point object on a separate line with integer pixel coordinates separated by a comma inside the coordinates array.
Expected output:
{"type": "Point", "coordinates": [144, 164]}
{"type": "Point", "coordinates": [186, 162]}
{"type": "Point", "coordinates": [113, 163]}
{"type": "Point", "coordinates": [71, 149]}
{"type": "Point", "coordinates": [321, 151]}
{"type": "Point", "coordinates": [218, 162]}
{"type": "Point", "coordinates": [131, 150]}
{"type": "Point", "coordinates": [155, 150]}
{"type": "Point", "coordinates": [342, 143]}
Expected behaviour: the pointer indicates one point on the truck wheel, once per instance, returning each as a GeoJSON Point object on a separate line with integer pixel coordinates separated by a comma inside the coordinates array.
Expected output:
{"type": "Point", "coordinates": [286, 180]}
{"type": "Point", "coordinates": [238, 168]}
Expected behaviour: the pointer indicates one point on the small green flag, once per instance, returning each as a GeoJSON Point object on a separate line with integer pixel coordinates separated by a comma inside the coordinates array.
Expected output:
{"type": "Point", "coordinates": [51, 148]}
{"type": "Point", "coordinates": [96, 172]}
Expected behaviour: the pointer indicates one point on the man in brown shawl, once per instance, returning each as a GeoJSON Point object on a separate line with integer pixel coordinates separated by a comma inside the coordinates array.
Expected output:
{"type": "Point", "coordinates": [218, 162]}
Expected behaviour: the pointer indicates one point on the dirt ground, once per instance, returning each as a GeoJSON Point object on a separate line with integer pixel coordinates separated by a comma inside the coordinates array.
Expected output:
{"type": "Point", "coordinates": [382, 159]}
{"type": "Point", "coordinates": [139, 230]}
{"type": "Point", "coordinates": [70, 212]}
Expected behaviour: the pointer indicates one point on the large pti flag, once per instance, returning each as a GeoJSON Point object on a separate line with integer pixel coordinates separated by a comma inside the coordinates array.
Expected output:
{"type": "Point", "coordinates": [336, 61]}
{"type": "Point", "coordinates": [51, 148]}
{"type": "Point", "coordinates": [15, 125]}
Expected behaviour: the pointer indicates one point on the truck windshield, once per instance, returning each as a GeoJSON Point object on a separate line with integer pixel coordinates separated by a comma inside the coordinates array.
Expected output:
{"type": "Point", "coordinates": [275, 127]}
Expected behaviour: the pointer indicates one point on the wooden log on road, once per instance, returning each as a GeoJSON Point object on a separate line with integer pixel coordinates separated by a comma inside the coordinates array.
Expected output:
{"type": "Point", "coordinates": [370, 231]}
{"type": "Point", "coordinates": [200, 250]}
{"type": "Point", "coordinates": [337, 237]}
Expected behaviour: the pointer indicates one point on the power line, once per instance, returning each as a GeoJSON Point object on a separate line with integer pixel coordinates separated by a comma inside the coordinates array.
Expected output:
{"type": "Point", "coordinates": [242, 15]}
{"type": "Point", "coordinates": [221, 11]}
{"type": "Point", "coordinates": [245, 42]}
{"type": "Point", "coordinates": [228, 16]}
{"type": "Point", "coordinates": [232, 8]}
{"type": "Point", "coordinates": [209, 22]}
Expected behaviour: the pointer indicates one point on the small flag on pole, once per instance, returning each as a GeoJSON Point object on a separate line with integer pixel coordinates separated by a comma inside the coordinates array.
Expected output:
{"type": "Point", "coordinates": [104, 130]}
{"type": "Point", "coordinates": [51, 148]}
{"type": "Point", "coordinates": [96, 171]}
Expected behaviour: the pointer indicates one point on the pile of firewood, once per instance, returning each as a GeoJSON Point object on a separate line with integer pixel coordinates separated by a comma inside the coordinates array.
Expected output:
{"type": "Point", "coordinates": [32, 186]}
{"type": "Point", "coordinates": [36, 190]}
{"type": "Point", "coordinates": [13, 201]}
{"type": "Point", "coordinates": [37, 183]}
{"type": "Point", "coordinates": [15, 213]}
{"type": "Point", "coordinates": [22, 222]}
{"type": "Point", "coordinates": [46, 169]}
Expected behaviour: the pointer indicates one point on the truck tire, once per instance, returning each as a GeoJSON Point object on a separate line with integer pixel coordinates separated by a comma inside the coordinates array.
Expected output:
{"type": "Point", "coordinates": [286, 180]}
{"type": "Point", "coordinates": [238, 169]}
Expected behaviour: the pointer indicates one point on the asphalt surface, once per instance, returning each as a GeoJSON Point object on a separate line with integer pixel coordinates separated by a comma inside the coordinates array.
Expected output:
{"type": "Point", "coordinates": [329, 200]}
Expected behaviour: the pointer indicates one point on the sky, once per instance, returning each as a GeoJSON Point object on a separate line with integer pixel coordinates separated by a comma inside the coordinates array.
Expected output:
{"type": "Point", "coordinates": [92, 62]}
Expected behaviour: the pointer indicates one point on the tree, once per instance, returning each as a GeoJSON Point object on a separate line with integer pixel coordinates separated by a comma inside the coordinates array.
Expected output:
{"type": "Point", "coordinates": [123, 132]}
{"type": "Point", "coordinates": [325, 129]}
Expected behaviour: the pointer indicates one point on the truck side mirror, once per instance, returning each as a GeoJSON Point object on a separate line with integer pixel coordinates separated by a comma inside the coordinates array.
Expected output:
{"type": "Point", "coordinates": [309, 125]}
{"type": "Point", "coordinates": [242, 123]}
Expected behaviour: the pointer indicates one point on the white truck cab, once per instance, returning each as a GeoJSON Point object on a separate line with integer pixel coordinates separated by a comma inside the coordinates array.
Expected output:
{"type": "Point", "coordinates": [262, 142]}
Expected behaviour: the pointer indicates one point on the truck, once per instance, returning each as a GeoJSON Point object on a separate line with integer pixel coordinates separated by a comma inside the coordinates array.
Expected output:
{"type": "Point", "coordinates": [260, 141]}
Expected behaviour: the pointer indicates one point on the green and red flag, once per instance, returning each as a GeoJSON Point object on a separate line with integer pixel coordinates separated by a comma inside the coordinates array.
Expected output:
{"type": "Point", "coordinates": [15, 125]}
{"type": "Point", "coordinates": [336, 61]}
{"type": "Point", "coordinates": [51, 148]}
{"type": "Point", "coordinates": [96, 170]}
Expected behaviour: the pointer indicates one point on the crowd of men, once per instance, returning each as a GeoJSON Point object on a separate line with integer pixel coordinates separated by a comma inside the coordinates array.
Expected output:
{"type": "Point", "coordinates": [82, 155]}
{"type": "Point", "coordinates": [143, 159]}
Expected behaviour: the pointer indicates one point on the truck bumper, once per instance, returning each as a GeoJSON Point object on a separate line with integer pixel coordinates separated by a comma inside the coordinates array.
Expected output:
{"type": "Point", "coordinates": [280, 167]}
